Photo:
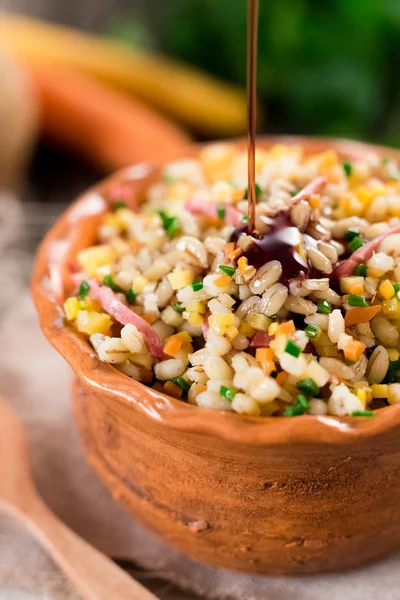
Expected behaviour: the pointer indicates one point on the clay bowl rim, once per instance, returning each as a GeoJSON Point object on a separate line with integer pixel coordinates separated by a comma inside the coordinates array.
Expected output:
{"type": "Point", "coordinates": [266, 431]}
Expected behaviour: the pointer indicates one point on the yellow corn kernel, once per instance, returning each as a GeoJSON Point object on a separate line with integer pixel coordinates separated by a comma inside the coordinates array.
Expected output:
{"type": "Point", "coordinates": [93, 322]}
{"type": "Point", "coordinates": [347, 284]}
{"type": "Point", "coordinates": [357, 289]}
{"type": "Point", "coordinates": [185, 336]}
{"type": "Point", "coordinates": [328, 159]}
{"type": "Point", "coordinates": [90, 259]}
{"type": "Point", "coordinates": [379, 390]}
{"type": "Point", "coordinates": [386, 289]}
{"type": "Point", "coordinates": [195, 319]}
{"type": "Point", "coordinates": [232, 331]}
{"type": "Point", "coordinates": [258, 321]}
{"type": "Point", "coordinates": [90, 304]}
{"type": "Point", "coordinates": [142, 360]}
{"type": "Point", "coordinates": [391, 308]}
{"type": "Point", "coordinates": [242, 264]}
{"type": "Point", "coordinates": [220, 323]}
{"type": "Point", "coordinates": [180, 279]}
{"type": "Point", "coordinates": [196, 306]}
{"type": "Point", "coordinates": [393, 354]}
{"type": "Point", "coordinates": [273, 328]}
{"type": "Point", "coordinates": [71, 308]}
{"type": "Point", "coordinates": [350, 205]}
{"type": "Point", "coordinates": [111, 220]}
{"type": "Point", "coordinates": [139, 283]}
{"type": "Point", "coordinates": [362, 396]}
{"type": "Point", "coordinates": [178, 191]}
{"type": "Point", "coordinates": [246, 329]}
{"type": "Point", "coordinates": [222, 281]}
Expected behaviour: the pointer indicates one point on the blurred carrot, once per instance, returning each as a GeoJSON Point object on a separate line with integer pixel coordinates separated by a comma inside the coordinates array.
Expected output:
{"type": "Point", "coordinates": [99, 124]}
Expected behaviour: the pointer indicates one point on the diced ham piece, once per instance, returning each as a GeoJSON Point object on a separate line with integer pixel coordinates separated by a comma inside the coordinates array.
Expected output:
{"type": "Point", "coordinates": [233, 216]}
{"type": "Point", "coordinates": [124, 191]}
{"type": "Point", "coordinates": [346, 267]}
{"type": "Point", "coordinates": [314, 187]}
{"type": "Point", "coordinates": [261, 340]}
{"type": "Point", "coordinates": [205, 328]}
{"type": "Point", "coordinates": [124, 315]}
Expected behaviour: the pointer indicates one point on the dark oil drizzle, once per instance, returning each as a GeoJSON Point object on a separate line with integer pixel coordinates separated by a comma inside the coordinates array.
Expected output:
{"type": "Point", "coordinates": [252, 42]}
{"type": "Point", "coordinates": [281, 243]}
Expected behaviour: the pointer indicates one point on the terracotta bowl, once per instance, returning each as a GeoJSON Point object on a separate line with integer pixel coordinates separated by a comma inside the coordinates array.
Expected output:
{"type": "Point", "coordinates": [262, 495]}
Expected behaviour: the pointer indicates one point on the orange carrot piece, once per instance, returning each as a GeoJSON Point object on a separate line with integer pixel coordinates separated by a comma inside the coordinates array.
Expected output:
{"type": "Point", "coordinates": [172, 389]}
{"type": "Point", "coordinates": [353, 350]}
{"type": "Point", "coordinates": [222, 281]}
{"type": "Point", "coordinates": [172, 345]}
{"type": "Point", "coordinates": [235, 254]}
{"type": "Point", "coordinates": [354, 316]}
{"type": "Point", "coordinates": [287, 328]}
{"type": "Point", "coordinates": [228, 249]}
{"type": "Point", "coordinates": [356, 288]}
{"type": "Point", "coordinates": [281, 378]}
{"type": "Point", "coordinates": [149, 318]}
{"type": "Point", "coordinates": [264, 354]}
{"type": "Point", "coordinates": [99, 124]}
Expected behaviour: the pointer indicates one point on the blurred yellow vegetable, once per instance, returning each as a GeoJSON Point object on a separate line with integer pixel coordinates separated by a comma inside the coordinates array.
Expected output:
{"type": "Point", "coordinates": [196, 99]}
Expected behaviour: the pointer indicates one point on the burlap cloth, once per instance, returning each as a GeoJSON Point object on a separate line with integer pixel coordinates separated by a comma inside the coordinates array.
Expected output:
{"type": "Point", "coordinates": [37, 381]}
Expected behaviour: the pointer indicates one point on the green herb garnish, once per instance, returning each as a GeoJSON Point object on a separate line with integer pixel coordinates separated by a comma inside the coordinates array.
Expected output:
{"type": "Point", "coordinates": [312, 331]}
{"type": "Point", "coordinates": [396, 287]}
{"type": "Point", "coordinates": [227, 270]}
{"type": "Point", "coordinates": [197, 286]}
{"type": "Point", "coordinates": [170, 224]}
{"type": "Point", "coordinates": [245, 219]}
{"type": "Point", "coordinates": [324, 307]}
{"type": "Point", "coordinates": [356, 300]}
{"type": "Point", "coordinates": [119, 204]}
{"type": "Point", "coordinates": [362, 413]}
{"type": "Point", "coordinates": [221, 212]}
{"type": "Point", "coordinates": [227, 392]}
{"type": "Point", "coordinates": [355, 244]}
{"type": "Point", "coordinates": [348, 167]}
{"type": "Point", "coordinates": [361, 270]}
{"type": "Point", "coordinates": [84, 289]}
{"type": "Point", "coordinates": [109, 282]}
{"type": "Point", "coordinates": [350, 234]}
{"type": "Point", "coordinates": [178, 307]}
{"type": "Point", "coordinates": [299, 408]}
{"type": "Point", "coordinates": [292, 348]}
{"type": "Point", "coordinates": [131, 295]}
{"type": "Point", "coordinates": [182, 383]}
{"type": "Point", "coordinates": [308, 387]}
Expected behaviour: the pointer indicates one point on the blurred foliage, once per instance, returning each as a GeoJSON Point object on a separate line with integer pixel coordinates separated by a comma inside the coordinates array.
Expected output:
{"type": "Point", "coordinates": [325, 66]}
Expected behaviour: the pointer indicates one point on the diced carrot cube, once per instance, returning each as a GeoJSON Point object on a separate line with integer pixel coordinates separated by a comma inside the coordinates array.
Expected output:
{"type": "Point", "coordinates": [222, 281]}
{"type": "Point", "coordinates": [172, 345]}
{"type": "Point", "coordinates": [281, 378]}
{"type": "Point", "coordinates": [354, 316]}
{"type": "Point", "coordinates": [230, 247]}
{"type": "Point", "coordinates": [173, 389]}
{"type": "Point", "coordinates": [149, 318]}
{"type": "Point", "coordinates": [353, 350]}
{"type": "Point", "coordinates": [287, 328]}
{"type": "Point", "coordinates": [264, 354]}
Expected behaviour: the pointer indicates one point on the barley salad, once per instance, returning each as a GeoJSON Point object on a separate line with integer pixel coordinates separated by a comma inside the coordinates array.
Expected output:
{"type": "Point", "coordinates": [303, 317]}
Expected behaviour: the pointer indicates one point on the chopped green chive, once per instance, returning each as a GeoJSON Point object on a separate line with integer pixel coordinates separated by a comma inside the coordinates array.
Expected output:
{"type": "Point", "coordinates": [109, 282]}
{"type": "Point", "coordinates": [396, 287]}
{"type": "Point", "coordinates": [292, 348]}
{"type": "Point", "coordinates": [221, 212]}
{"type": "Point", "coordinates": [295, 192]}
{"type": "Point", "coordinates": [299, 408]}
{"type": "Point", "coordinates": [312, 331]}
{"type": "Point", "coordinates": [227, 270]}
{"type": "Point", "coordinates": [348, 167]}
{"type": "Point", "coordinates": [227, 393]}
{"type": "Point", "coordinates": [170, 224]}
{"type": "Point", "coordinates": [361, 270]}
{"type": "Point", "coordinates": [197, 286]}
{"type": "Point", "coordinates": [351, 234]}
{"type": "Point", "coordinates": [362, 413]}
{"type": "Point", "coordinates": [355, 244]}
{"type": "Point", "coordinates": [385, 161]}
{"type": "Point", "coordinates": [84, 289]}
{"type": "Point", "coordinates": [130, 295]}
{"type": "Point", "coordinates": [355, 300]}
{"type": "Point", "coordinates": [182, 383]}
{"type": "Point", "coordinates": [324, 306]}
{"type": "Point", "coordinates": [178, 307]}
{"type": "Point", "coordinates": [245, 219]}
{"type": "Point", "coordinates": [308, 387]}
{"type": "Point", "coordinates": [119, 204]}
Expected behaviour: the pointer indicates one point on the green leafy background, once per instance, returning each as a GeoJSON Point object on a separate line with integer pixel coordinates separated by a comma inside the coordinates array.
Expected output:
{"type": "Point", "coordinates": [325, 66]}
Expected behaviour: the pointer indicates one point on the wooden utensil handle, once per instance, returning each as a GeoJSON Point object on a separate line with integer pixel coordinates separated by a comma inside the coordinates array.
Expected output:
{"type": "Point", "coordinates": [95, 576]}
